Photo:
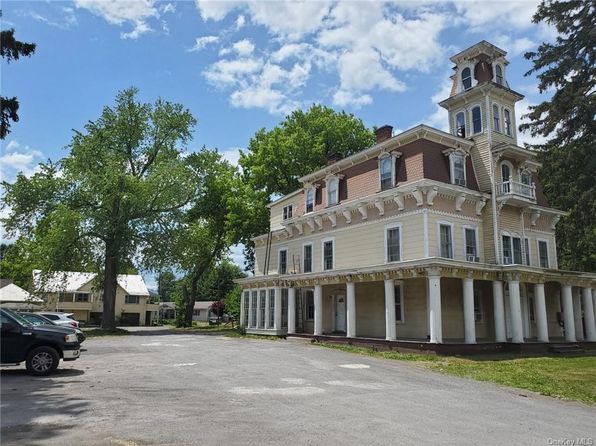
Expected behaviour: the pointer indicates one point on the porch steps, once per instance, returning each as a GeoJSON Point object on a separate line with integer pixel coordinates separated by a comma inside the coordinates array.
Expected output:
{"type": "Point", "coordinates": [566, 349]}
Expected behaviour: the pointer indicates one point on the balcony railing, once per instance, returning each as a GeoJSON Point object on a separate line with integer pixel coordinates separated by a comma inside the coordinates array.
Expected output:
{"type": "Point", "coordinates": [511, 187]}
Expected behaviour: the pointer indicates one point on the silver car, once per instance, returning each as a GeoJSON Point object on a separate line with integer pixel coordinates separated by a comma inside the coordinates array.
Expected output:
{"type": "Point", "coordinates": [58, 318]}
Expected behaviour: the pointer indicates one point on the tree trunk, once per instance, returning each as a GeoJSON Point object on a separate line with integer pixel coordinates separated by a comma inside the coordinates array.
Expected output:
{"type": "Point", "coordinates": [110, 284]}
{"type": "Point", "coordinates": [189, 301]}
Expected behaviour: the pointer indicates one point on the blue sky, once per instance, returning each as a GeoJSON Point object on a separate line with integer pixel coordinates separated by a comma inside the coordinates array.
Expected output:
{"type": "Point", "coordinates": [240, 66]}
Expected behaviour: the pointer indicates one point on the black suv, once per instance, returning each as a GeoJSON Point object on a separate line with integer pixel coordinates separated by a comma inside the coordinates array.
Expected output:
{"type": "Point", "coordinates": [40, 347]}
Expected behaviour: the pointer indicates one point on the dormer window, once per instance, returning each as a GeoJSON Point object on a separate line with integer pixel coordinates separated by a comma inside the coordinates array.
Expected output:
{"type": "Point", "coordinates": [310, 200]}
{"type": "Point", "coordinates": [332, 191]}
{"type": "Point", "coordinates": [507, 123]}
{"type": "Point", "coordinates": [460, 124]}
{"type": "Point", "coordinates": [457, 162]}
{"type": "Point", "coordinates": [287, 212]}
{"type": "Point", "coordinates": [466, 78]}
{"type": "Point", "coordinates": [496, 118]}
{"type": "Point", "coordinates": [499, 75]}
{"type": "Point", "coordinates": [476, 120]}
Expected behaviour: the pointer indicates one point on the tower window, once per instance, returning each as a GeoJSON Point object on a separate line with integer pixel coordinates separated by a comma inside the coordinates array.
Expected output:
{"type": "Point", "coordinates": [460, 124]}
{"type": "Point", "coordinates": [476, 120]}
{"type": "Point", "coordinates": [466, 78]}
{"type": "Point", "coordinates": [499, 75]}
{"type": "Point", "coordinates": [507, 118]}
{"type": "Point", "coordinates": [386, 172]}
{"type": "Point", "coordinates": [496, 118]}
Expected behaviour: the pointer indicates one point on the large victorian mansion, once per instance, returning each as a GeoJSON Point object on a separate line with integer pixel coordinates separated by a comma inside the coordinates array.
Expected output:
{"type": "Point", "coordinates": [424, 237]}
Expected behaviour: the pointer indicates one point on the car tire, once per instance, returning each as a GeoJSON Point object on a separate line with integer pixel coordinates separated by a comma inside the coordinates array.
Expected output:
{"type": "Point", "coordinates": [42, 361]}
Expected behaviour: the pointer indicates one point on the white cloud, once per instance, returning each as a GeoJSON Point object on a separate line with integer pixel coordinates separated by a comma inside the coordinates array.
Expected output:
{"type": "Point", "coordinates": [18, 158]}
{"type": "Point", "coordinates": [244, 47]}
{"type": "Point", "coordinates": [168, 7]}
{"type": "Point", "coordinates": [240, 21]}
{"type": "Point", "coordinates": [231, 155]}
{"type": "Point", "coordinates": [231, 72]}
{"type": "Point", "coordinates": [237, 255]}
{"type": "Point", "coordinates": [521, 109]}
{"type": "Point", "coordinates": [514, 46]}
{"type": "Point", "coordinates": [118, 12]}
{"type": "Point", "coordinates": [215, 9]}
{"type": "Point", "coordinates": [291, 20]}
{"type": "Point", "coordinates": [202, 42]}
{"type": "Point", "coordinates": [439, 118]}
{"type": "Point", "coordinates": [480, 15]}
{"type": "Point", "coordinates": [12, 144]}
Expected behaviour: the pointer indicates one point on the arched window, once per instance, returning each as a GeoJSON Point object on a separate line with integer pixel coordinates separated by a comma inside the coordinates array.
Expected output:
{"type": "Point", "coordinates": [460, 124]}
{"type": "Point", "coordinates": [466, 78]}
{"type": "Point", "coordinates": [505, 172]}
{"type": "Point", "coordinates": [499, 75]}
{"type": "Point", "coordinates": [476, 120]}
{"type": "Point", "coordinates": [507, 119]}
{"type": "Point", "coordinates": [310, 199]}
{"type": "Point", "coordinates": [332, 191]}
{"type": "Point", "coordinates": [496, 118]}
{"type": "Point", "coordinates": [386, 172]}
{"type": "Point", "coordinates": [458, 169]}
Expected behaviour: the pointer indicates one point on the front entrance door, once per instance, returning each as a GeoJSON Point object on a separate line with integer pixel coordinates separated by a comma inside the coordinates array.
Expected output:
{"type": "Point", "coordinates": [340, 312]}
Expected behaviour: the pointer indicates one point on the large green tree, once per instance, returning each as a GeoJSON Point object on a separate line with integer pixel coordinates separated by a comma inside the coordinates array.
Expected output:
{"type": "Point", "coordinates": [120, 188]}
{"type": "Point", "coordinates": [166, 285]}
{"type": "Point", "coordinates": [277, 158]}
{"type": "Point", "coordinates": [11, 49]}
{"type": "Point", "coordinates": [567, 67]}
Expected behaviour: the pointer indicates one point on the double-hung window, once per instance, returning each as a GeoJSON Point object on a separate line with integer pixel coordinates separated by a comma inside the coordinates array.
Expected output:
{"type": "Point", "coordinates": [253, 315]}
{"type": "Point", "coordinates": [460, 124]}
{"type": "Point", "coordinates": [471, 245]}
{"type": "Point", "coordinates": [332, 191]}
{"type": "Point", "coordinates": [476, 120]}
{"type": "Point", "coordinates": [392, 241]}
{"type": "Point", "coordinates": [527, 251]}
{"type": "Point", "coordinates": [308, 258]}
{"type": "Point", "coordinates": [81, 297]}
{"type": "Point", "coordinates": [287, 212]}
{"type": "Point", "coordinates": [399, 302]}
{"type": "Point", "coordinates": [283, 261]}
{"type": "Point", "coordinates": [499, 75]}
{"type": "Point", "coordinates": [246, 304]}
{"type": "Point", "coordinates": [310, 200]}
{"type": "Point", "coordinates": [543, 253]}
{"type": "Point", "coordinates": [271, 307]}
{"type": "Point", "coordinates": [458, 169]}
{"type": "Point", "coordinates": [131, 299]}
{"type": "Point", "coordinates": [262, 303]}
{"type": "Point", "coordinates": [496, 118]}
{"type": "Point", "coordinates": [328, 255]}
{"type": "Point", "coordinates": [284, 308]}
{"type": "Point", "coordinates": [507, 119]}
{"type": "Point", "coordinates": [517, 250]}
{"type": "Point", "coordinates": [446, 239]}
{"type": "Point", "coordinates": [386, 172]}
{"type": "Point", "coordinates": [507, 254]}
{"type": "Point", "coordinates": [466, 78]}
{"type": "Point", "coordinates": [512, 250]}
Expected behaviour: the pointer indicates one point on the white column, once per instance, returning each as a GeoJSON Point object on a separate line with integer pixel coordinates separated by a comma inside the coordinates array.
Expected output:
{"type": "Point", "coordinates": [291, 310]}
{"type": "Point", "coordinates": [318, 300]}
{"type": "Point", "coordinates": [568, 320]}
{"type": "Point", "coordinates": [390, 334]}
{"type": "Point", "coordinates": [577, 314]}
{"type": "Point", "coordinates": [434, 308]}
{"type": "Point", "coordinates": [499, 310]}
{"type": "Point", "coordinates": [351, 309]}
{"type": "Point", "coordinates": [517, 334]}
{"type": "Point", "coordinates": [259, 297]}
{"type": "Point", "coordinates": [251, 322]}
{"type": "Point", "coordinates": [267, 303]}
{"type": "Point", "coordinates": [540, 313]}
{"type": "Point", "coordinates": [469, 322]}
{"type": "Point", "coordinates": [589, 314]}
{"type": "Point", "coordinates": [277, 309]}
{"type": "Point", "coordinates": [242, 310]}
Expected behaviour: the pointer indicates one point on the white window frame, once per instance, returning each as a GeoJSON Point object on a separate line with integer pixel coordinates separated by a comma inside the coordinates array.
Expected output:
{"type": "Point", "coordinates": [522, 173]}
{"type": "Point", "coordinates": [527, 251]}
{"type": "Point", "coordinates": [285, 212]}
{"type": "Point", "coordinates": [392, 159]}
{"type": "Point", "coordinates": [270, 323]}
{"type": "Point", "coordinates": [462, 111]}
{"type": "Point", "coordinates": [284, 248]}
{"type": "Point", "coordinates": [312, 256]}
{"type": "Point", "coordinates": [538, 240]}
{"type": "Point", "coordinates": [400, 284]}
{"type": "Point", "coordinates": [475, 229]}
{"type": "Point", "coordinates": [452, 226]}
{"type": "Point", "coordinates": [452, 156]}
{"type": "Point", "coordinates": [328, 181]}
{"type": "Point", "coordinates": [506, 234]}
{"type": "Point", "coordinates": [473, 132]}
{"type": "Point", "coordinates": [323, 241]}
{"type": "Point", "coordinates": [387, 228]}
{"type": "Point", "coordinates": [495, 79]}
{"type": "Point", "coordinates": [86, 294]}
{"type": "Point", "coordinates": [126, 299]}
{"type": "Point", "coordinates": [463, 88]}
{"type": "Point", "coordinates": [511, 131]}
{"type": "Point", "coordinates": [497, 128]}
{"type": "Point", "coordinates": [508, 164]}
{"type": "Point", "coordinates": [314, 198]}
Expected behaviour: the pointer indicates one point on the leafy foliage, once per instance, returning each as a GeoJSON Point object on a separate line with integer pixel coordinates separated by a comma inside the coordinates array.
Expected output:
{"type": "Point", "coordinates": [166, 286]}
{"type": "Point", "coordinates": [11, 49]}
{"type": "Point", "coordinates": [567, 67]}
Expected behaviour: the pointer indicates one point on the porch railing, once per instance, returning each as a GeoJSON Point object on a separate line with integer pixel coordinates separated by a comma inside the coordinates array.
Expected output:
{"type": "Point", "coordinates": [514, 188]}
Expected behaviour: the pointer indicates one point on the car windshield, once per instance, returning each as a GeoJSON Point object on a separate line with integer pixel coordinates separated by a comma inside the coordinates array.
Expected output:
{"type": "Point", "coordinates": [36, 319]}
{"type": "Point", "coordinates": [20, 319]}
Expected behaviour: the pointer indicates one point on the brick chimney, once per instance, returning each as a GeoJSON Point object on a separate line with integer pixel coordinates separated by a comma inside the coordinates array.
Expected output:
{"type": "Point", "coordinates": [333, 158]}
{"type": "Point", "coordinates": [383, 133]}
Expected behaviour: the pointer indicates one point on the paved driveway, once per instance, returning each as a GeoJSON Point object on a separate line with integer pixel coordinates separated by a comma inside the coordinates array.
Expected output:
{"type": "Point", "coordinates": [212, 390]}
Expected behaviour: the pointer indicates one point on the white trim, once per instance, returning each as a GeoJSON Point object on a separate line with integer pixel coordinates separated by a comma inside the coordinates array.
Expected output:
{"type": "Point", "coordinates": [538, 240]}
{"type": "Point", "coordinates": [323, 241]}
{"type": "Point", "coordinates": [400, 284]}
{"type": "Point", "coordinates": [475, 229]}
{"type": "Point", "coordinates": [329, 180]}
{"type": "Point", "coordinates": [504, 82]}
{"type": "Point", "coordinates": [279, 250]}
{"type": "Point", "coordinates": [453, 251]}
{"type": "Point", "coordinates": [500, 117]}
{"type": "Point", "coordinates": [399, 226]}
{"type": "Point", "coordinates": [466, 128]}
{"type": "Point", "coordinates": [425, 227]}
{"type": "Point", "coordinates": [314, 198]}
{"type": "Point", "coordinates": [462, 88]}
{"type": "Point", "coordinates": [312, 256]}
{"type": "Point", "coordinates": [284, 214]}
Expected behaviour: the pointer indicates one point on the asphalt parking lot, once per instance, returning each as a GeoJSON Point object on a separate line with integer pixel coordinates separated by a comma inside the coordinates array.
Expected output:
{"type": "Point", "coordinates": [151, 389]}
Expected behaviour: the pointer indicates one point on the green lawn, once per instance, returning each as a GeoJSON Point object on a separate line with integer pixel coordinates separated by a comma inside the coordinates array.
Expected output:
{"type": "Point", "coordinates": [572, 378]}
{"type": "Point", "coordinates": [95, 332]}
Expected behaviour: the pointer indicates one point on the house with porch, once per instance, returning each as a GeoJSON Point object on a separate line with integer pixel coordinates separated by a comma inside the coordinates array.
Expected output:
{"type": "Point", "coordinates": [427, 236]}
{"type": "Point", "coordinates": [77, 293]}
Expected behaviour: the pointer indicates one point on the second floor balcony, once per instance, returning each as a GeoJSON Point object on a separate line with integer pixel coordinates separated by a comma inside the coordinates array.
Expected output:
{"type": "Point", "coordinates": [516, 191]}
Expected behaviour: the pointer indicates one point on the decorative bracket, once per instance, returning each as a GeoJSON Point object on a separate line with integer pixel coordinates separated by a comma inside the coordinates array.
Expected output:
{"type": "Point", "coordinates": [299, 227]}
{"type": "Point", "coordinates": [480, 205]}
{"type": "Point", "coordinates": [534, 217]}
{"type": "Point", "coordinates": [459, 201]}
{"type": "Point", "coordinates": [417, 193]}
{"type": "Point", "coordinates": [363, 209]}
{"type": "Point", "coordinates": [319, 222]}
{"type": "Point", "coordinates": [431, 194]}
{"type": "Point", "coordinates": [347, 213]}
{"type": "Point", "coordinates": [555, 220]}
{"type": "Point", "coordinates": [332, 218]}
{"type": "Point", "coordinates": [311, 224]}
{"type": "Point", "coordinates": [399, 200]}
{"type": "Point", "coordinates": [380, 205]}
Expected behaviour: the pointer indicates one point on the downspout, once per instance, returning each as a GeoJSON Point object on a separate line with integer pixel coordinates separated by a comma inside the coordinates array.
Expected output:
{"type": "Point", "coordinates": [493, 186]}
